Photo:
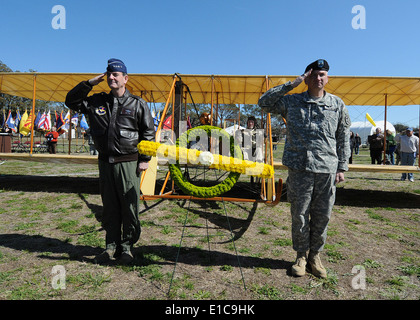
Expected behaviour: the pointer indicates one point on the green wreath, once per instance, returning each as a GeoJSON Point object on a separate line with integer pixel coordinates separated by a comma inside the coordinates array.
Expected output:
{"type": "Point", "coordinates": [204, 192]}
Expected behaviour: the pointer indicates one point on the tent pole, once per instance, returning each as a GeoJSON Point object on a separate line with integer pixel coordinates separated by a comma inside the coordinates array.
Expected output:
{"type": "Point", "coordinates": [69, 137]}
{"type": "Point", "coordinates": [33, 115]}
{"type": "Point", "coordinates": [270, 181]}
{"type": "Point", "coordinates": [217, 110]}
{"type": "Point", "coordinates": [212, 100]}
{"type": "Point", "coordinates": [386, 101]}
{"type": "Point", "coordinates": [263, 187]}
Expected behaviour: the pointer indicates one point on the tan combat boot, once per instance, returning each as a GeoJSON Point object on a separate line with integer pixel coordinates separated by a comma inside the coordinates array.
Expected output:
{"type": "Point", "coordinates": [317, 268]}
{"type": "Point", "coordinates": [298, 269]}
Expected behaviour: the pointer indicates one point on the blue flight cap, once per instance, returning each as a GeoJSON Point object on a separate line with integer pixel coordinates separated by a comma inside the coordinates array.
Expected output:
{"type": "Point", "coordinates": [116, 65]}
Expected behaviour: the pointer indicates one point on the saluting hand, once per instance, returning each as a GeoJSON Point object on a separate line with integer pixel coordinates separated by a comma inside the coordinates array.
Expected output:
{"type": "Point", "coordinates": [300, 79]}
{"type": "Point", "coordinates": [97, 79]}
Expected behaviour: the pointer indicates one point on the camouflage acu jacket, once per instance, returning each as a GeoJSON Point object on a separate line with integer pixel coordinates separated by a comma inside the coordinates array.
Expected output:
{"type": "Point", "coordinates": [318, 130]}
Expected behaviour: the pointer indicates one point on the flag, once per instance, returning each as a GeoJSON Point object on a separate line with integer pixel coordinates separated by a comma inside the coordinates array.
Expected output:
{"type": "Point", "coordinates": [18, 118]}
{"type": "Point", "coordinates": [83, 123]}
{"type": "Point", "coordinates": [66, 121]}
{"type": "Point", "coordinates": [47, 124]}
{"type": "Point", "coordinates": [23, 120]}
{"type": "Point", "coordinates": [152, 112]}
{"type": "Point", "coordinates": [59, 123]}
{"type": "Point", "coordinates": [41, 122]}
{"type": "Point", "coordinates": [38, 117]}
{"type": "Point", "coordinates": [11, 122]}
{"type": "Point", "coordinates": [75, 119]}
{"type": "Point", "coordinates": [156, 119]}
{"type": "Point", "coordinates": [370, 119]}
{"type": "Point", "coordinates": [168, 123]}
{"type": "Point", "coordinates": [27, 125]}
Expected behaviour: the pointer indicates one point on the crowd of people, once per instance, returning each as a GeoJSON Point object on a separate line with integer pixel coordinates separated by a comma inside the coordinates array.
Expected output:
{"type": "Point", "coordinates": [400, 149]}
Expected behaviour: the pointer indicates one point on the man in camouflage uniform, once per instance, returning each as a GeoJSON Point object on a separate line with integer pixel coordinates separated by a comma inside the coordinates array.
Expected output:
{"type": "Point", "coordinates": [316, 154]}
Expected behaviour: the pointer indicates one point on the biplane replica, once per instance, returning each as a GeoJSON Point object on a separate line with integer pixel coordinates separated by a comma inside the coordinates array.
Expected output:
{"type": "Point", "coordinates": [177, 90]}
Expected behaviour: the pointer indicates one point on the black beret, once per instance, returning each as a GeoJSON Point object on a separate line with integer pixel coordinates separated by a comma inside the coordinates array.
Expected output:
{"type": "Point", "coordinates": [319, 64]}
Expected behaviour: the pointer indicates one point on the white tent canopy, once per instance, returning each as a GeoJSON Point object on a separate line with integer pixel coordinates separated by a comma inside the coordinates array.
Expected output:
{"type": "Point", "coordinates": [231, 130]}
{"type": "Point", "coordinates": [365, 129]}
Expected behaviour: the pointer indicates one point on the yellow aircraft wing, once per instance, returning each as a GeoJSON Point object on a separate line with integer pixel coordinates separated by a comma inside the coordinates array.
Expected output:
{"type": "Point", "coordinates": [220, 89]}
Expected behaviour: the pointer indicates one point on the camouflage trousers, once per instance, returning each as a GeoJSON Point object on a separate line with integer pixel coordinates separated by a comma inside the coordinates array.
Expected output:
{"type": "Point", "coordinates": [311, 196]}
{"type": "Point", "coordinates": [120, 192]}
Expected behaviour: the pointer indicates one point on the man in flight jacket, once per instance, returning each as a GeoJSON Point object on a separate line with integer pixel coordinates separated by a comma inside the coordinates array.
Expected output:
{"type": "Point", "coordinates": [118, 121]}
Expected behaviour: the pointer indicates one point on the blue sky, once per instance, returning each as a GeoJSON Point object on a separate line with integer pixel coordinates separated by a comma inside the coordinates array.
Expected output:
{"type": "Point", "coordinates": [240, 37]}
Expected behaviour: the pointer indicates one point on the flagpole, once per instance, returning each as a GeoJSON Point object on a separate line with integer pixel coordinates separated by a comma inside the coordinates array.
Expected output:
{"type": "Point", "coordinates": [70, 132]}
{"type": "Point", "coordinates": [386, 102]}
{"type": "Point", "coordinates": [33, 113]}
{"type": "Point", "coordinates": [212, 100]}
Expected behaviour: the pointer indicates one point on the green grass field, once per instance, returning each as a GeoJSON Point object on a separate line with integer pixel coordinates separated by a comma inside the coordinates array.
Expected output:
{"type": "Point", "coordinates": [50, 219]}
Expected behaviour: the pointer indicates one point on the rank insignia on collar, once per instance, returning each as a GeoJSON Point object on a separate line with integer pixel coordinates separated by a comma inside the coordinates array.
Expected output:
{"type": "Point", "coordinates": [100, 111]}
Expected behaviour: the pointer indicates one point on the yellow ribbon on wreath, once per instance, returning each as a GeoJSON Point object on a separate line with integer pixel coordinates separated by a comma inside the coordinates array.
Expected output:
{"type": "Point", "coordinates": [192, 157]}
{"type": "Point", "coordinates": [235, 166]}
